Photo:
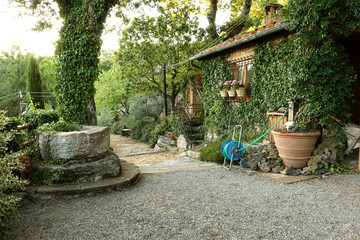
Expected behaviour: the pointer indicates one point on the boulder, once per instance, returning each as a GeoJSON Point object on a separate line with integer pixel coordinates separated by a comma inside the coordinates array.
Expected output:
{"type": "Point", "coordinates": [106, 167]}
{"type": "Point", "coordinates": [88, 143]}
{"type": "Point", "coordinates": [163, 142]}
{"type": "Point", "coordinates": [181, 142]}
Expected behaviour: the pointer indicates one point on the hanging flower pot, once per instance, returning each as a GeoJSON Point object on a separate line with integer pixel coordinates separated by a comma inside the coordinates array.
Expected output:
{"type": "Point", "coordinates": [241, 91]}
{"type": "Point", "coordinates": [223, 93]}
{"type": "Point", "coordinates": [295, 148]}
{"type": "Point", "coordinates": [231, 92]}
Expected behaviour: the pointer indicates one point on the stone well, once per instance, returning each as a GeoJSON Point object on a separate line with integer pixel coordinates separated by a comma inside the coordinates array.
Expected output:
{"type": "Point", "coordinates": [87, 151]}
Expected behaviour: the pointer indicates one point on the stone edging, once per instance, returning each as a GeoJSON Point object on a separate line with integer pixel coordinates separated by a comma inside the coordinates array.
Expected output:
{"type": "Point", "coordinates": [129, 175]}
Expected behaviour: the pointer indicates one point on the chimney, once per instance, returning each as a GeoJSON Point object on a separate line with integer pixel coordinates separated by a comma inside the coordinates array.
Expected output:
{"type": "Point", "coordinates": [273, 13]}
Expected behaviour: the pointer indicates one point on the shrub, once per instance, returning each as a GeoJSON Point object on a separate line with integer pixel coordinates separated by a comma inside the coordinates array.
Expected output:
{"type": "Point", "coordinates": [39, 117]}
{"type": "Point", "coordinates": [10, 154]}
{"type": "Point", "coordinates": [117, 126]}
{"type": "Point", "coordinates": [105, 117]}
{"type": "Point", "coordinates": [159, 129]}
{"type": "Point", "coordinates": [212, 152]}
{"type": "Point", "coordinates": [60, 126]}
{"type": "Point", "coordinates": [144, 114]}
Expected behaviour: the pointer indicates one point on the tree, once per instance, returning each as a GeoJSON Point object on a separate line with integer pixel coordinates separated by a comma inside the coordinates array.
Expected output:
{"type": "Point", "coordinates": [13, 78]}
{"type": "Point", "coordinates": [113, 91]}
{"type": "Point", "coordinates": [77, 52]}
{"type": "Point", "coordinates": [173, 35]}
{"type": "Point", "coordinates": [33, 83]}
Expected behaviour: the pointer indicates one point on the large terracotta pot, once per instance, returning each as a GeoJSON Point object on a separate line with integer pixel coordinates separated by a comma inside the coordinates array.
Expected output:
{"type": "Point", "coordinates": [295, 148]}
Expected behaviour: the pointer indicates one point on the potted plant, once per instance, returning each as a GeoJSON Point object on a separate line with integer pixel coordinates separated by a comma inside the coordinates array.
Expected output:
{"type": "Point", "coordinates": [229, 88]}
{"type": "Point", "coordinates": [297, 142]}
{"type": "Point", "coordinates": [295, 147]}
{"type": "Point", "coordinates": [221, 87]}
{"type": "Point", "coordinates": [240, 88]}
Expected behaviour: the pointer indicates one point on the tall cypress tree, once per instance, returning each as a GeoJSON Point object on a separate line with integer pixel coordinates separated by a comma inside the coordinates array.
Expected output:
{"type": "Point", "coordinates": [33, 83]}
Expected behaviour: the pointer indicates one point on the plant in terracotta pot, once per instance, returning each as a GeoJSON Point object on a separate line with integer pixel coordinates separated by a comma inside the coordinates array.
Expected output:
{"type": "Point", "coordinates": [240, 88]}
{"type": "Point", "coordinates": [221, 87]}
{"type": "Point", "coordinates": [311, 68]}
{"type": "Point", "coordinates": [229, 88]}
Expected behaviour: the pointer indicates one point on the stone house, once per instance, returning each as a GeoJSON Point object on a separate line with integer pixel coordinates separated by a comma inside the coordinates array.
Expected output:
{"type": "Point", "coordinates": [240, 51]}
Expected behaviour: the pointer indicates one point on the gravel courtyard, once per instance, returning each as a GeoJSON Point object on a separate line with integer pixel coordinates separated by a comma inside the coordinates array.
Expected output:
{"type": "Point", "coordinates": [204, 204]}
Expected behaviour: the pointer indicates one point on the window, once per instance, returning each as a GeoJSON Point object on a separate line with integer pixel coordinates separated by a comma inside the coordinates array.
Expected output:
{"type": "Point", "coordinates": [242, 71]}
{"type": "Point", "coordinates": [249, 75]}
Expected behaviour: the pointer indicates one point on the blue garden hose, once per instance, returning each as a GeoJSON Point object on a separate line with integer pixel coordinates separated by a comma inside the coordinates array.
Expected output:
{"type": "Point", "coordinates": [242, 149]}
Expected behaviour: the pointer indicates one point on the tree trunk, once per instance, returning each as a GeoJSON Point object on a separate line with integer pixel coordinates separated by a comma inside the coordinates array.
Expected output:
{"type": "Point", "coordinates": [245, 12]}
{"type": "Point", "coordinates": [211, 16]}
{"type": "Point", "coordinates": [78, 51]}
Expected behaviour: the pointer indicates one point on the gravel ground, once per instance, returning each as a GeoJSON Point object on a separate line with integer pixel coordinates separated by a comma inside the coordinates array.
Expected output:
{"type": "Point", "coordinates": [204, 204]}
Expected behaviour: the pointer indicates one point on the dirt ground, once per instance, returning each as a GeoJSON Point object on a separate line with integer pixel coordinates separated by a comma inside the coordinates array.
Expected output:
{"type": "Point", "coordinates": [120, 143]}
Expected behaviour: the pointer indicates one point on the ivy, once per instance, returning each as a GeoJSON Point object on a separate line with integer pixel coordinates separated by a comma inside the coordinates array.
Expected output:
{"type": "Point", "coordinates": [220, 115]}
{"type": "Point", "coordinates": [77, 53]}
{"type": "Point", "coordinates": [310, 68]}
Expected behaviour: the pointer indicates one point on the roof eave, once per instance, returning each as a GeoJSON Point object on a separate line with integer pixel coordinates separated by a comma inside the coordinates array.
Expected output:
{"type": "Point", "coordinates": [241, 41]}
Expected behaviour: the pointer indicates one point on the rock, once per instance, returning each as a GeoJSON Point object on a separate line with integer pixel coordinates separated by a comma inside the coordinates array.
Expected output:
{"type": "Point", "coordinates": [255, 148]}
{"type": "Point", "coordinates": [264, 167]}
{"type": "Point", "coordinates": [308, 171]}
{"type": "Point", "coordinates": [313, 162]}
{"type": "Point", "coordinates": [181, 142]}
{"type": "Point", "coordinates": [163, 141]}
{"type": "Point", "coordinates": [277, 169]}
{"type": "Point", "coordinates": [254, 161]}
{"type": "Point", "coordinates": [109, 166]}
{"type": "Point", "coordinates": [291, 171]}
{"type": "Point", "coordinates": [321, 171]}
{"type": "Point", "coordinates": [89, 142]}
{"type": "Point", "coordinates": [193, 154]}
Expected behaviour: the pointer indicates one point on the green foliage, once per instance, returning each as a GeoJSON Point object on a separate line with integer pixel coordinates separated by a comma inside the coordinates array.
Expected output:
{"type": "Point", "coordinates": [212, 152]}
{"type": "Point", "coordinates": [145, 111]}
{"type": "Point", "coordinates": [113, 91]}
{"type": "Point", "coordinates": [175, 36]}
{"type": "Point", "coordinates": [117, 126]}
{"type": "Point", "coordinates": [13, 78]}
{"type": "Point", "coordinates": [77, 54]}
{"type": "Point", "coordinates": [10, 155]}
{"type": "Point", "coordinates": [310, 68]}
{"type": "Point", "coordinates": [323, 74]}
{"type": "Point", "coordinates": [33, 82]}
{"type": "Point", "coordinates": [39, 117]}
{"type": "Point", "coordinates": [42, 175]}
{"type": "Point", "coordinates": [159, 129]}
{"type": "Point", "coordinates": [106, 117]}
{"type": "Point", "coordinates": [60, 126]}
{"type": "Point", "coordinates": [221, 116]}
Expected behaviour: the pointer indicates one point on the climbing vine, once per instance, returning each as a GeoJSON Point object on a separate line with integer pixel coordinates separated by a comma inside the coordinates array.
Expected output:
{"type": "Point", "coordinates": [310, 68]}
{"type": "Point", "coordinates": [220, 115]}
{"type": "Point", "coordinates": [77, 54]}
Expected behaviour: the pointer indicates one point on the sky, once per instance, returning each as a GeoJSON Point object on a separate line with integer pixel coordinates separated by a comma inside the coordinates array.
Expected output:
{"type": "Point", "coordinates": [17, 31]}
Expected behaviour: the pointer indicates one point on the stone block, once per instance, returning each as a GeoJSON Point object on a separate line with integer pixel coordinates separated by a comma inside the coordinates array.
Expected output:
{"type": "Point", "coordinates": [106, 167]}
{"type": "Point", "coordinates": [88, 143]}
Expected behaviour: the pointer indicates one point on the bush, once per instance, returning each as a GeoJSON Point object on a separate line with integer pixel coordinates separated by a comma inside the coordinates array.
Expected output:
{"type": "Point", "coordinates": [105, 117]}
{"type": "Point", "coordinates": [10, 154]}
{"type": "Point", "coordinates": [159, 129]}
{"type": "Point", "coordinates": [60, 126]}
{"type": "Point", "coordinates": [117, 126]}
{"type": "Point", "coordinates": [212, 153]}
{"type": "Point", "coordinates": [39, 117]}
{"type": "Point", "coordinates": [144, 115]}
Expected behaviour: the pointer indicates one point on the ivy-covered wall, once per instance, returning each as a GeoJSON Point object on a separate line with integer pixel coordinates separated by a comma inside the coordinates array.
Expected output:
{"type": "Point", "coordinates": [220, 115]}
{"type": "Point", "coordinates": [310, 68]}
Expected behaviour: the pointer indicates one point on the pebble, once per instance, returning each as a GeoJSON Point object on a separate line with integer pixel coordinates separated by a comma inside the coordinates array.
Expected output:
{"type": "Point", "coordinates": [204, 204]}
